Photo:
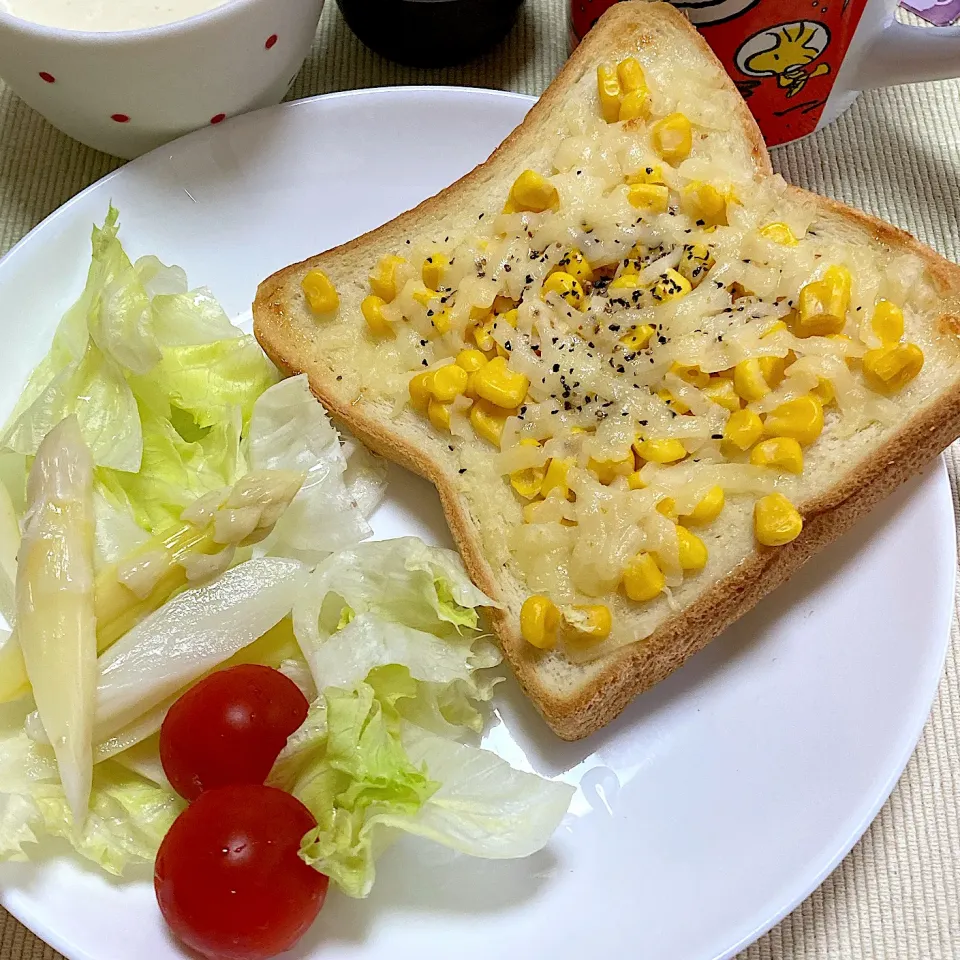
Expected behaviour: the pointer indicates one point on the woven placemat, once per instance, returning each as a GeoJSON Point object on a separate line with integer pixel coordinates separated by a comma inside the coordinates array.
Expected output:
{"type": "Point", "coordinates": [895, 154]}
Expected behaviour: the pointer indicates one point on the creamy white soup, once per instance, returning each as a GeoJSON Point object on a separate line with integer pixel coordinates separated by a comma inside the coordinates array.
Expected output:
{"type": "Point", "coordinates": [106, 16]}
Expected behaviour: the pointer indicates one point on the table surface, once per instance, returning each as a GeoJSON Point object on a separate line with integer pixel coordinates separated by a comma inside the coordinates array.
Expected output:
{"type": "Point", "coordinates": [895, 154]}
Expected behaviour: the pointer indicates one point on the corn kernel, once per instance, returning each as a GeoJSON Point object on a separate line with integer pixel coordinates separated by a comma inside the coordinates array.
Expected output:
{"type": "Point", "coordinates": [784, 453]}
{"type": "Point", "coordinates": [823, 304]}
{"type": "Point", "coordinates": [320, 293]}
{"type": "Point", "coordinates": [635, 481]}
{"type": "Point", "coordinates": [372, 309]}
{"type": "Point", "coordinates": [531, 191]}
{"type": "Point", "coordinates": [608, 89]}
{"type": "Point", "coordinates": [500, 385]}
{"type": "Point", "coordinates": [779, 233]}
{"type": "Point", "coordinates": [631, 75]}
{"type": "Point", "coordinates": [695, 262]}
{"type": "Point", "coordinates": [527, 481]}
{"type": "Point", "coordinates": [703, 201]}
{"type": "Point", "coordinates": [608, 470]}
{"type": "Point", "coordinates": [589, 621]}
{"type": "Point", "coordinates": [434, 268]}
{"type": "Point", "coordinates": [652, 197]}
{"type": "Point", "coordinates": [471, 360]}
{"type": "Point", "coordinates": [539, 619]}
{"type": "Point", "coordinates": [773, 369]}
{"type": "Point", "coordinates": [743, 429]}
{"type": "Point", "coordinates": [887, 322]}
{"type": "Point", "coordinates": [423, 295]}
{"type": "Point", "coordinates": [674, 403]}
{"type": "Point", "coordinates": [384, 282]}
{"type": "Point", "coordinates": [749, 381]}
{"type": "Point", "coordinates": [638, 337]}
{"type": "Point", "coordinates": [643, 579]}
{"type": "Point", "coordinates": [626, 281]}
{"type": "Point", "coordinates": [440, 321]}
{"type": "Point", "coordinates": [801, 419]}
{"type": "Point", "coordinates": [488, 420]}
{"type": "Point", "coordinates": [439, 414]}
{"type": "Point", "coordinates": [722, 392]}
{"type": "Point", "coordinates": [673, 138]}
{"type": "Point", "coordinates": [566, 286]}
{"type": "Point", "coordinates": [670, 286]}
{"type": "Point", "coordinates": [482, 336]}
{"type": "Point", "coordinates": [660, 451]}
{"type": "Point", "coordinates": [556, 478]}
{"type": "Point", "coordinates": [420, 391]}
{"type": "Point", "coordinates": [690, 374]}
{"type": "Point", "coordinates": [635, 105]}
{"type": "Point", "coordinates": [653, 174]}
{"type": "Point", "coordinates": [448, 383]}
{"type": "Point", "coordinates": [574, 263]}
{"type": "Point", "coordinates": [708, 508]}
{"type": "Point", "coordinates": [778, 326]}
{"type": "Point", "coordinates": [890, 369]}
{"type": "Point", "coordinates": [693, 551]}
{"type": "Point", "coordinates": [667, 507]}
{"type": "Point", "coordinates": [776, 520]}
{"type": "Point", "coordinates": [824, 391]}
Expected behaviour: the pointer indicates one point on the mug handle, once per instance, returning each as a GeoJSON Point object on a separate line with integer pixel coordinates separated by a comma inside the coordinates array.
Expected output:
{"type": "Point", "coordinates": [909, 54]}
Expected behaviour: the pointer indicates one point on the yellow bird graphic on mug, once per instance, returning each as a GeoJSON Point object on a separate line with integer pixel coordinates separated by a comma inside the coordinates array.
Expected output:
{"type": "Point", "coordinates": [786, 52]}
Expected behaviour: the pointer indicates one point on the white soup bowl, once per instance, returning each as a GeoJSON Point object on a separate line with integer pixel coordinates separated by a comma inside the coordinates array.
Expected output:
{"type": "Point", "coordinates": [130, 91]}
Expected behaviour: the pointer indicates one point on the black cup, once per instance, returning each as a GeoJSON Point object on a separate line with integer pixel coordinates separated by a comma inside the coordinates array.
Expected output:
{"type": "Point", "coordinates": [430, 33]}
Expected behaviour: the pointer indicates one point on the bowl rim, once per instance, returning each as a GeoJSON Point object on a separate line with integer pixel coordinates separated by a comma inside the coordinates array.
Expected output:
{"type": "Point", "coordinates": [175, 28]}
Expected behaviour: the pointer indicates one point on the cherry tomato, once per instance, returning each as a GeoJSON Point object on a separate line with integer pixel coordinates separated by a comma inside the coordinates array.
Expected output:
{"type": "Point", "coordinates": [229, 728]}
{"type": "Point", "coordinates": [228, 879]}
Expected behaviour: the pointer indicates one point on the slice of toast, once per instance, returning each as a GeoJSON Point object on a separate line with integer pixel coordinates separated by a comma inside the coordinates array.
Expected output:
{"type": "Point", "coordinates": [871, 442]}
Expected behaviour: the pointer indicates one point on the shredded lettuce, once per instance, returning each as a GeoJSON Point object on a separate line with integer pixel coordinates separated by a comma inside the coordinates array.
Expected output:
{"type": "Point", "coordinates": [158, 278]}
{"type": "Point", "coordinates": [389, 632]}
{"type": "Point", "coordinates": [115, 305]}
{"type": "Point", "coordinates": [289, 430]}
{"type": "Point", "coordinates": [483, 807]}
{"type": "Point", "coordinates": [206, 379]}
{"type": "Point", "coordinates": [105, 332]}
{"type": "Point", "coordinates": [366, 775]}
{"type": "Point", "coordinates": [117, 534]}
{"type": "Point", "coordinates": [93, 389]}
{"type": "Point", "coordinates": [175, 471]}
{"type": "Point", "coordinates": [9, 545]}
{"type": "Point", "coordinates": [363, 776]}
{"type": "Point", "coordinates": [182, 318]}
{"type": "Point", "coordinates": [159, 379]}
{"type": "Point", "coordinates": [400, 581]}
{"type": "Point", "coordinates": [400, 603]}
{"type": "Point", "coordinates": [127, 817]}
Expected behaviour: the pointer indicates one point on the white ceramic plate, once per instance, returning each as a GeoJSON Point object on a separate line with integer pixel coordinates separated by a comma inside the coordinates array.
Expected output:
{"type": "Point", "coordinates": [718, 801]}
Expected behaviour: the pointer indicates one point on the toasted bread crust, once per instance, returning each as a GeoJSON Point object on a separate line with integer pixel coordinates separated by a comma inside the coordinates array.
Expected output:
{"type": "Point", "coordinates": [632, 669]}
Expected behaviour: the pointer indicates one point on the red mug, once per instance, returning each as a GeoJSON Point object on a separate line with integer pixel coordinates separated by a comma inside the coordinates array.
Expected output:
{"type": "Point", "coordinates": [800, 64]}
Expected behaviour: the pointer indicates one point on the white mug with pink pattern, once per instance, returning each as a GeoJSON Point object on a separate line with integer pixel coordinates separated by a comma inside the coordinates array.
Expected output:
{"type": "Point", "coordinates": [127, 92]}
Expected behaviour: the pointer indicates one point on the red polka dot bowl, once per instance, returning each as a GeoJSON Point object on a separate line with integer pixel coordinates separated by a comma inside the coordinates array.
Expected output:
{"type": "Point", "coordinates": [130, 91]}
